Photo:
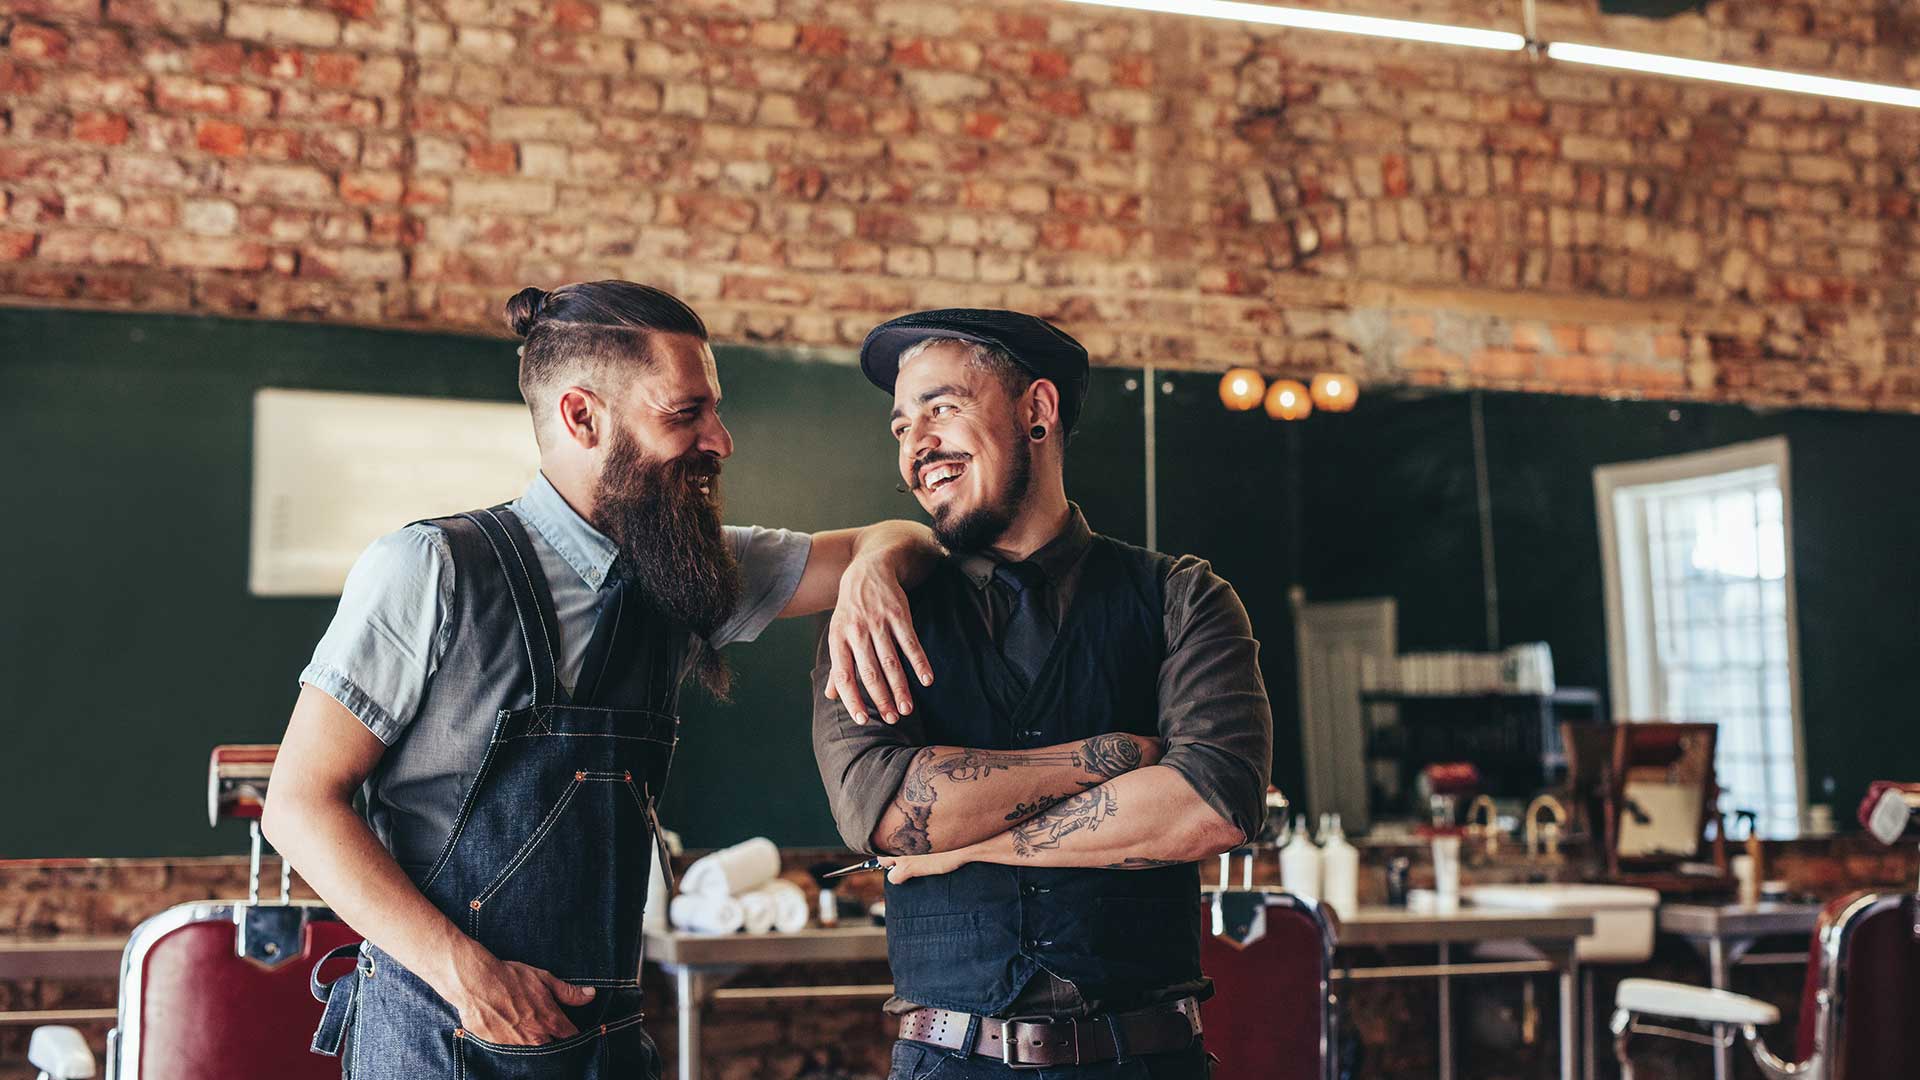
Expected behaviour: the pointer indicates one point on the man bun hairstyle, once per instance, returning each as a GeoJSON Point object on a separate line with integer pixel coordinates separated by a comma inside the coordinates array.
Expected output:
{"type": "Point", "coordinates": [524, 309]}
{"type": "Point", "coordinates": [586, 333]}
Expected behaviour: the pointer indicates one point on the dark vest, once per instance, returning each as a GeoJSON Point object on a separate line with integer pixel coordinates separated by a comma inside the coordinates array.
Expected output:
{"type": "Point", "coordinates": [972, 939]}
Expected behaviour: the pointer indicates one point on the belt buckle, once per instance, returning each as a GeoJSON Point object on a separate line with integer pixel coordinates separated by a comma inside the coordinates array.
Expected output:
{"type": "Point", "coordinates": [1007, 1040]}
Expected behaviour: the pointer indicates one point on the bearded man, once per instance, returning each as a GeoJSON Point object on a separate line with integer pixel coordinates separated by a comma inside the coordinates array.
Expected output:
{"type": "Point", "coordinates": [1098, 726]}
{"type": "Point", "coordinates": [501, 687]}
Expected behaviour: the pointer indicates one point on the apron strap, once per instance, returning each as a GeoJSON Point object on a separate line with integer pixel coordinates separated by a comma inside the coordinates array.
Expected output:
{"type": "Point", "coordinates": [338, 995]}
{"type": "Point", "coordinates": [532, 602]}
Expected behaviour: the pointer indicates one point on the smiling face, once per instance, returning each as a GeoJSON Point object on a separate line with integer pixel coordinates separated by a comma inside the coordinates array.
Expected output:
{"type": "Point", "coordinates": [964, 452]}
{"type": "Point", "coordinates": [657, 496]}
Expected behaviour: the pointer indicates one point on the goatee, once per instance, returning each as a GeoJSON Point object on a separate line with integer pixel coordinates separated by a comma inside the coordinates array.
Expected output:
{"type": "Point", "coordinates": [977, 529]}
{"type": "Point", "coordinates": [668, 532]}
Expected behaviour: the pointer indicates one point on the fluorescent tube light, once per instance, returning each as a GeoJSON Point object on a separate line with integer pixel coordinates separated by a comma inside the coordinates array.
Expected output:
{"type": "Point", "coordinates": [1301, 19]}
{"type": "Point", "coordinates": [1762, 78]}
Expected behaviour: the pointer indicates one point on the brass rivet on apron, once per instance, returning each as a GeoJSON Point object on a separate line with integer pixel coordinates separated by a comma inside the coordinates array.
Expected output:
{"type": "Point", "coordinates": [459, 1033]}
{"type": "Point", "coordinates": [475, 905]}
{"type": "Point", "coordinates": [629, 776]}
{"type": "Point", "coordinates": [582, 775]}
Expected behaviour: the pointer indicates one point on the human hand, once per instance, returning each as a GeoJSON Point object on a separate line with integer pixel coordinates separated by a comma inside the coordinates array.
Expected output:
{"type": "Point", "coordinates": [870, 629]}
{"type": "Point", "coordinates": [904, 868]}
{"type": "Point", "coordinates": [515, 1004]}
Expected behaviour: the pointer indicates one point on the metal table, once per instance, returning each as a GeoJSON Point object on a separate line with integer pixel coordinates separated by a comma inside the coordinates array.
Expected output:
{"type": "Point", "coordinates": [1550, 935]}
{"type": "Point", "coordinates": [63, 956]}
{"type": "Point", "coordinates": [701, 963]}
{"type": "Point", "coordinates": [1725, 934]}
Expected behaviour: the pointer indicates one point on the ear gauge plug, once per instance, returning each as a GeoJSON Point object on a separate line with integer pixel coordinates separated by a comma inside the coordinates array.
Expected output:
{"type": "Point", "coordinates": [1039, 432]}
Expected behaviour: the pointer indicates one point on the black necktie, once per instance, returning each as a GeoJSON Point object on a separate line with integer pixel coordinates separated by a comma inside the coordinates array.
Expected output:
{"type": "Point", "coordinates": [1028, 636]}
{"type": "Point", "coordinates": [593, 667]}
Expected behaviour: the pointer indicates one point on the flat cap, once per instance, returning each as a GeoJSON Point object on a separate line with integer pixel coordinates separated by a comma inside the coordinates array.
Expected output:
{"type": "Point", "coordinates": [1034, 343]}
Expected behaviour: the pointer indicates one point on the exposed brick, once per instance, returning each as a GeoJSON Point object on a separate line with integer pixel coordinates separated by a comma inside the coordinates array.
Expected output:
{"type": "Point", "coordinates": [301, 26]}
{"type": "Point", "coordinates": [16, 244]}
{"type": "Point", "coordinates": [110, 248]}
{"type": "Point", "coordinates": [104, 128]}
{"type": "Point", "coordinates": [31, 41]}
{"type": "Point", "coordinates": [214, 253]}
{"type": "Point", "coordinates": [221, 137]}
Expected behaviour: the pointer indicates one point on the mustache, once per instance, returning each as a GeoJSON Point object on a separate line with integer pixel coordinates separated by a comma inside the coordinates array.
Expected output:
{"type": "Point", "coordinates": [931, 457]}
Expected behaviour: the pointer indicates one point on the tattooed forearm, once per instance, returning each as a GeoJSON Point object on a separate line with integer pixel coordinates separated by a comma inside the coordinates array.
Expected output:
{"type": "Point", "coordinates": [911, 837]}
{"type": "Point", "coordinates": [1023, 811]}
{"type": "Point", "coordinates": [1109, 755]}
{"type": "Point", "coordinates": [1135, 862]}
{"type": "Point", "coordinates": [1075, 813]}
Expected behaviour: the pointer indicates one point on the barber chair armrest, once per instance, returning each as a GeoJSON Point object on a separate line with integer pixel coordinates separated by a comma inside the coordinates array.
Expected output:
{"type": "Point", "coordinates": [60, 1052]}
{"type": "Point", "coordinates": [1657, 997]}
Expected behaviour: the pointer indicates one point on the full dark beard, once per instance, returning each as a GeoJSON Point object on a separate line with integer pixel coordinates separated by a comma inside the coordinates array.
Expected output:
{"type": "Point", "coordinates": [670, 542]}
{"type": "Point", "coordinates": [978, 528]}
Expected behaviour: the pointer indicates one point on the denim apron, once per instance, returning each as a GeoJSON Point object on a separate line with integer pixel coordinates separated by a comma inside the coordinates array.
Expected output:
{"type": "Point", "coordinates": [548, 860]}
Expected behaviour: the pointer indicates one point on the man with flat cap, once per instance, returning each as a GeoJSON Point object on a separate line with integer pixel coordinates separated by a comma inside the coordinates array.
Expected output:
{"type": "Point", "coordinates": [1099, 724]}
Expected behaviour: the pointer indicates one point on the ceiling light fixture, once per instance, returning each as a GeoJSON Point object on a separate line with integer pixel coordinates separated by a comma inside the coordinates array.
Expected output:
{"type": "Point", "coordinates": [1302, 19]}
{"type": "Point", "coordinates": [1761, 78]}
{"type": "Point", "coordinates": [1595, 55]}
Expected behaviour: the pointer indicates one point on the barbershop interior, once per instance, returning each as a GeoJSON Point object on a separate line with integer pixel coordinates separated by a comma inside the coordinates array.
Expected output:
{"type": "Point", "coordinates": [1537, 375]}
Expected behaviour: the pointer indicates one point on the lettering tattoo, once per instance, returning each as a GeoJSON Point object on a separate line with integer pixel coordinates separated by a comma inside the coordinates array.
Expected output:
{"type": "Point", "coordinates": [1076, 813]}
{"type": "Point", "coordinates": [1136, 862]}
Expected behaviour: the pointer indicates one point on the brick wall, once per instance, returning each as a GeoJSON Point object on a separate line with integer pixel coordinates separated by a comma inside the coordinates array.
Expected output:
{"type": "Point", "coordinates": [1176, 191]}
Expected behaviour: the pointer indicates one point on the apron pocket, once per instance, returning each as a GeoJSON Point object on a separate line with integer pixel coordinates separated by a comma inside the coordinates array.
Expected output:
{"type": "Point", "coordinates": [579, 1057]}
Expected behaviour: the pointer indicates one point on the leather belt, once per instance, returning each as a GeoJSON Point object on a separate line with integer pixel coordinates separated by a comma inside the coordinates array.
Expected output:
{"type": "Point", "coordinates": [1039, 1042]}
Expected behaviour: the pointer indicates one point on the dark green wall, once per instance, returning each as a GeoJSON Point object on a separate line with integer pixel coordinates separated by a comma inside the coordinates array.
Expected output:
{"type": "Point", "coordinates": [130, 644]}
{"type": "Point", "coordinates": [1390, 510]}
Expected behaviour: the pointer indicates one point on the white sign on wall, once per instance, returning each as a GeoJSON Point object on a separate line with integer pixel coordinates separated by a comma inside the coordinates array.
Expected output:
{"type": "Point", "coordinates": [332, 472]}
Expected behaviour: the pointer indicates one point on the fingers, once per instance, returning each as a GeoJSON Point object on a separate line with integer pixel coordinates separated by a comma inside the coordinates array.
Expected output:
{"type": "Point", "coordinates": [909, 641]}
{"type": "Point", "coordinates": [896, 674]}
{"type": "Point", "coordinates": [840, 679]}
{"type": "Point", "coordinates": [565, 992]}
{"type": "Point", "coordinates": [871, 678]}
{"type": "Point", "coordinates": [899, 871]}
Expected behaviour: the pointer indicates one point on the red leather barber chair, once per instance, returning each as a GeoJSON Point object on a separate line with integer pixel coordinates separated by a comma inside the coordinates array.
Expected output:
{"type": "Point", "coordinates": [1270, 956]}
{"type": "Point", "coordinates": [1860, 1011]}
{"type": "Point", "coordinates": [216, 989]}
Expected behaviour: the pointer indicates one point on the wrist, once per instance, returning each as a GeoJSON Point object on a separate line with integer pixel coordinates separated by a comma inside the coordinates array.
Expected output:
{"type": "Point", "coordinates": [464, 964]}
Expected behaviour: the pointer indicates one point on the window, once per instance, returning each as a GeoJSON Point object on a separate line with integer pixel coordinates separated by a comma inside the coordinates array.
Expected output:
{"type": "Point", "coordinates": [1700, 613]}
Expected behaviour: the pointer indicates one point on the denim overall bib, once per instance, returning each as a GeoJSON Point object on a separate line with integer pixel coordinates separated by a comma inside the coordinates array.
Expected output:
{"type": "Point", "coordinates": [548, 861]}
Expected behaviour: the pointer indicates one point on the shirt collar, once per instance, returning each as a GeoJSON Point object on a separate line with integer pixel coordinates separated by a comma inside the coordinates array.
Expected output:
{"type": "Point", "coordinates": [583, 547]}
{"type": "Point", "coordinates": [1055, 557]}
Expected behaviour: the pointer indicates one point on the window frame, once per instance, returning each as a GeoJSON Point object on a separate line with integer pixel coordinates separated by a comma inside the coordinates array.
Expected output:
{"type": "Point", "coordinates": [1631, 641]}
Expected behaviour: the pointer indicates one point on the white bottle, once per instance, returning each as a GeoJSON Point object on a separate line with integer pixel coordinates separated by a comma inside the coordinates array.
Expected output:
{"type": "Point", "coordinates": [1300, 863]}
{"type": "Point", "coordinates": [1339, 871]}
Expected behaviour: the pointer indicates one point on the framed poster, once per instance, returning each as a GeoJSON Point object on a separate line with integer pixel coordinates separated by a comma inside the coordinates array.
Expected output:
{"type": "Point", "coordinates": [331, 472]}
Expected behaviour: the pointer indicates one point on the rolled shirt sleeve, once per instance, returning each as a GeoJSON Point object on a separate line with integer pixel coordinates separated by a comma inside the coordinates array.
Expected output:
{"type": "Point", "coordinates": [389, 632]}
{"type": "Point", "coordinates": [1214, 713]}
{"type": "Point", "coordinates": [861, 765]}
{"type": "Point", "coordinates": [772, 562]}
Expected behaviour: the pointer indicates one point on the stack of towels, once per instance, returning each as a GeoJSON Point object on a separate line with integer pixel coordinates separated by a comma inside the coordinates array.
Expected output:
{"type": "Point", "coordinates": [739, 888]}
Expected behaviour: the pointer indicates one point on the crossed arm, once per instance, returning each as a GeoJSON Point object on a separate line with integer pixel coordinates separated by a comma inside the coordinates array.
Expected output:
{"type": "Point", "coordinates": [1117, 800]}
{"type": "Point", "coordinates": [953, 796]}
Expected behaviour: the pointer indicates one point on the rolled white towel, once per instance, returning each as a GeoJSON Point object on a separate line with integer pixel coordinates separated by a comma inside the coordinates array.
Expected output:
{"type": "Point", "coordinates": [759, 908]}
{"type": "Point", "coordinates": [778, 905]}
{"type": "Point", "coordinates": [733, 871]}
{"type": "Point", "coordinates": [707, 914]}
{"type": "Point", "coordinates": [790, 912]}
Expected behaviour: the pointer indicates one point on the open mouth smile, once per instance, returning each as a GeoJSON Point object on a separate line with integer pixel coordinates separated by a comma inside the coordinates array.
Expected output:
{"type": "Point", "coordinates": [939, 474]}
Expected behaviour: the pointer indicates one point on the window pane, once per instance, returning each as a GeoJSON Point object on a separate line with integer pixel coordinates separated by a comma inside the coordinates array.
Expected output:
{"type": "Point", "coordinates": [1716, 591]}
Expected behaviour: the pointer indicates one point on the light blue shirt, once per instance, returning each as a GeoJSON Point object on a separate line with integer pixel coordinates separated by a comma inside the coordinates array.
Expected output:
{"type": "Point", "coordinates": [396, 611]}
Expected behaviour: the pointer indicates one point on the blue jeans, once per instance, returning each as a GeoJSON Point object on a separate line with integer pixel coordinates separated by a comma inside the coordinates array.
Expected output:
{"type": "Point", "coordinates": [919, 1061]}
